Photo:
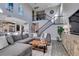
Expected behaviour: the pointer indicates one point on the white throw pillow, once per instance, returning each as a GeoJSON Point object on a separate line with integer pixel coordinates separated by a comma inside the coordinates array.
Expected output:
{"type": "Point", "coordinates": [42, 36]}
{"type": "Point", "coordinates": [34, 34]}
{"type": "Point", "coordinates": [3, 42]}
{"type": "Point", "coordinates": [45, 34]}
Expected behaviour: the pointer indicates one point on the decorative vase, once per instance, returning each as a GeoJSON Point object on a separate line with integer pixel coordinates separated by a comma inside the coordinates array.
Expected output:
{"type": "Point", "coordinates": [59, 39]}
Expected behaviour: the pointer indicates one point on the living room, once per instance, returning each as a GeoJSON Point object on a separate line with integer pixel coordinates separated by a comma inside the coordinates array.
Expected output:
{"type": "Point", "coordinates": [38, 29]}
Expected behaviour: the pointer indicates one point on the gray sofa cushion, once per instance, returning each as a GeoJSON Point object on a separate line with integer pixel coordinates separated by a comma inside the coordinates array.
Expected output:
{"type": "Point", "coordinates": [27, 40]}
{"type": "Point", "coordinates": [9, 39]}
{"type": "Point", "coordinates": [16, 50]}
{"type": "Point", "coordinates": [25, 36]}
{"type": "Point", "coordinates": [16, 37]}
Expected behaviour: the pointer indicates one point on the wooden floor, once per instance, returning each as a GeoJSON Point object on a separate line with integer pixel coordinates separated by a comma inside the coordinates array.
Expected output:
{"type": "Point", "coordinates": [58, 49]}
{"type": "Point", "coordinates": [55, 49]}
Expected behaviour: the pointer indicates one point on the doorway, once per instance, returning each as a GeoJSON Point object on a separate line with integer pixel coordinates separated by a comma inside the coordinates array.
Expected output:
{"type": "Point", "coordinates": [35, 26]}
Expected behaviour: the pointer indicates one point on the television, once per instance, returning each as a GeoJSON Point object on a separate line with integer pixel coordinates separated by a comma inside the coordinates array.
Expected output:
{"type": "Point", "coordinates": [74, 22]}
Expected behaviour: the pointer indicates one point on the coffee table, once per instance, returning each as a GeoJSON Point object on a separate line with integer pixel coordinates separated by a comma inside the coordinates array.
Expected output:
{"type": "Point", "coordinates": [39, 45]}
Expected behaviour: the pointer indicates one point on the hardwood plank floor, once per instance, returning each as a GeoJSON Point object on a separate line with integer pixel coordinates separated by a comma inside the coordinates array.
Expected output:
{"type": "Point", "coordinates": [58, 49]}
{"type": "Point", "coordinates": [55, 49]}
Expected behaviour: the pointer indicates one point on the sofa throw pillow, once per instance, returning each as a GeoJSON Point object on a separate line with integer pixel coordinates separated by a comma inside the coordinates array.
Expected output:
{"type": "Point", "coordinates": [42, 36]}
{"type": "Point", "coordinates": [10, 39]}
{"type": "Point", "coordinates": [45, 35]}
{"type": "Point", "coordinates": [25, 36]}
{"type": "Point", "coordinates": [3, 42]}
{"type": "Point", "coordinates": [34, 35]}
{"type": "Point", "coordinates": [16, 37]}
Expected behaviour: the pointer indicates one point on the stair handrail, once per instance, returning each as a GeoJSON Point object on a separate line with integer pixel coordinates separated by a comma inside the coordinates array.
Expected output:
{"type": "Point", "coordinates": [46, 22]}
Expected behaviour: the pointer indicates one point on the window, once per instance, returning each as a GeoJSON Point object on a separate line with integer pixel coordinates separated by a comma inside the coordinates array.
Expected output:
{"type": "Point", "coordinates": [10, 7]}
{"type": "Point", "coordinates": [20, 9]}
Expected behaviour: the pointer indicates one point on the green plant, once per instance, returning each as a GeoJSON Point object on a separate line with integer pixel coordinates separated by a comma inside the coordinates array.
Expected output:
{"type": "Point", "coordinates": [60, 30]}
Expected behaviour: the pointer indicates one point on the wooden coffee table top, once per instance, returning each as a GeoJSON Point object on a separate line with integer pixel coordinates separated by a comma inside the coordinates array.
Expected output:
{"type": "Point", "coordinates": [39, 43]}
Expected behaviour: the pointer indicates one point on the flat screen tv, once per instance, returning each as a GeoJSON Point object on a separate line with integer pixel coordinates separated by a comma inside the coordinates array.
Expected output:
{"type": "Point", "coordinates": [74, 22]}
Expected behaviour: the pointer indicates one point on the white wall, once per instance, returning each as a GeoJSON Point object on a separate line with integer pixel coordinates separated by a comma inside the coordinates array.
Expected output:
{"type": "Point", "coordinates": [27, 16]}
{"type": "Point", "coordinates": [53, 31]}
{"type": "Point", "coordinates": [70, 8]}
{"type": "Point", "coordinates": [26, 28]}
{"type": "Point", "coordinates": [56, 10]}
{"type": "Point", "coordinates": [27, 11]}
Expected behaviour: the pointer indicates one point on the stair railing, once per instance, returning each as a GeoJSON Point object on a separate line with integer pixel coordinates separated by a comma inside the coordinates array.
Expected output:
{"type": "Point", "coordinates": [50, 19]}
{"type": "Point", "coordinates": [46, 22]}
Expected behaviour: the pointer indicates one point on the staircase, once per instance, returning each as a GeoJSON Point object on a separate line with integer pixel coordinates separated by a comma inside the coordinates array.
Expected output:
{"type": "Point", "coordinates": [51, 20]}
{"type": "Point", "coordinates": [44, 27]}
{"type": "Point", "coordinates": [49, 23]}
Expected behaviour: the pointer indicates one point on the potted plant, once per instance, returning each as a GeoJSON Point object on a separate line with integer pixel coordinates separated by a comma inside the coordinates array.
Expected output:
{"type": "Point", "coordinates": [60, 31]}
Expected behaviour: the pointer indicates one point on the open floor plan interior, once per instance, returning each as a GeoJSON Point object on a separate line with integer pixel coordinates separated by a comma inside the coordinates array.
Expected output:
{"type": "Point", "coordinates": [39, 29]}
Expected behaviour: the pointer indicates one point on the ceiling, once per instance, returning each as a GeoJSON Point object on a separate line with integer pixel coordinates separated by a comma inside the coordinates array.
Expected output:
{"type": "Point", "coordinates": [42, 6]}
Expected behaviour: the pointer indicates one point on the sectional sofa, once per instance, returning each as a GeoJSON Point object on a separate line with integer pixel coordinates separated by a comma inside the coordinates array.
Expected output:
{"type": "Point", "coordinates": [15, 45]}
{"type": "Point", "coordinates": [18, 45]}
